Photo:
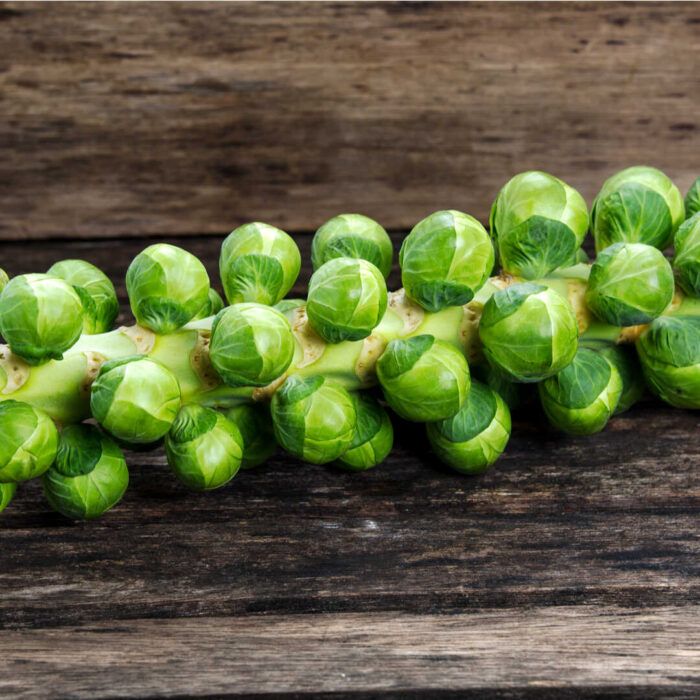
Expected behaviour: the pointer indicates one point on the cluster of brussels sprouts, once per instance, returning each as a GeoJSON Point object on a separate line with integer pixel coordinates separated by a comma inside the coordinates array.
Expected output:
{"type": "Point", "coordinates": [222, 386]}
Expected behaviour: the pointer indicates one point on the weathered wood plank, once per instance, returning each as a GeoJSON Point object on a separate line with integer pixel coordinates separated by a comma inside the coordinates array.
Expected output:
{"type": "Point", "coordinates": [170, 118]}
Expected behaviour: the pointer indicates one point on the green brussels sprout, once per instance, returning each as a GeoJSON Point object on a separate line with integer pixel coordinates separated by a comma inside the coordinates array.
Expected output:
{"type": "Point", "coordinates": [373, 438]}
{"type": "Point", "coordinates": [40, 317]}
{"type": "Point", "coordinates": [528, 331]}
{"type": "Point", "coordinates": [251, 345]}
{"type": "Point", "coordinates": [313, 418]}
{"type": "Point", "coordinates": [211, 306]}
{"type": "Point", "coordinates": [669, 350]}
{"type": "Point", "coordinates": [258, 263]}
{"type": "Point", "coordinates": [538, 223]}
{"type": "Point", "coordinates": [347, 299]}
{"type": "Point", "coordinates": [423, 379]}
{"type": "Point", "coordinates": [445, 260]}
{"type": "Point", "coordinates": [474, 438]}
{"type": "Point", "coordinates": [289, 305]}
{"type": "Point", "coordinates": [4, 279]}
{"type": "Point", "coordinates": [353, 236]}
{"type": "Point", "coordinates": [254, 423]}
{"type": "Point", "coordinates": [515, 394]}
{"type": "Point", "coordinates": [637, 205]}
{"type": "Point", "coordinates": [135, 399]}
{"type": "Point", "coordinates": [686, 258]}
{"type": "Point", "coordinates": [89, 475]}
{"type": "Point", "coordinates": [28, 441]}
{"type": "Point", "coordinates": [96, 292]}
{"type": "Point", "coordinates": [581, 398]}
{"type": "Point", "coordinates": [692, 200]}
{"type": "Point", "coordinates": [629, 284]}
{"type": "Point", "coordinates": [7, 493]}
{"type": "Point", "coordinates": [204, 448]}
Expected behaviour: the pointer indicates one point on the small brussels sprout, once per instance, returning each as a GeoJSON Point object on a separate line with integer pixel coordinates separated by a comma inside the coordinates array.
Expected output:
{"type": "Point", "coordinates": [373, 438]}
{"type": "Point", "coordinates": [637, 205]}
{"type": "Point", "coordinates": [4, 279]}
{"type": "Point", "coordinates": [669, 350]}
{"type": "Point", "coordinates": [528, 331]}
{"type": "Point", "coordinates": [353, 236]}
{"type": "Point", "coordinates": [581, 398]}
{"type": "Point", "coordinates": [629, 284]}
{"type": "Point", "coordinates": [40, 317]}
{"type": "Point", "coordinates": [515, 394]}
{"type": "Point", "coordinates": [251, 345]}
{"type": "Point", "coordinates": [289, 305]}
{"type": "Point", "coordinates": [28, 441]}
{"type": "Point", "coordinates": [538, 223]}
{"type": "Point", "coordinates": [255, 425]}
{"type": "Point", "coordinates": [313, 419]}
{"type": "Point", "coordinates": [89, 475]}
{"type": "Point", "coordinates": [211, 306]}
{"type": "Point", "coordinates": [347, 299]}
{"type": "Point", "coordinates": [423, 379]}
{"type": "Point", "coordinates": [445, 260]}
{"type": "Point", "coordinates": [96, 292]}
{"type": "Point", "coordinates": [686, 258]}
{"type": "Point", "coordinates": [474, 438]}
{"type": "Point", "coordinates": [692, 199]}
{"type": "Point", "coordinates": [204, 448]}
{"type": "Point", "coordinates": [7, 493]}
{"type": "Point", "coordinates": [258, 263]}
{"type": "Point", "coordinates": [167, 286]}
{"type": "Point", "coordinates": [135, 399]}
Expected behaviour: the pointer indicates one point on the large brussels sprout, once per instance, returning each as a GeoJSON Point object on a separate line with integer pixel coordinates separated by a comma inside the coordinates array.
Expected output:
{"type": "Point", "coordinates": [692, 199]}
{"type": "Point", "coordinates": [251, 345]}
{"type": "Point", "coordinates": [528, 331]}
{"type": "Point", "coordinates": [255, 426]}
{"type": "Point", "coordinates": [445, 260]}
{"type": "Point", "coordinates": [353, 236]}
{"type": "Point", "coordinates": [258, 263]}
{"type": "Point", "coordinates": [40, 317]}
{"type": "Point", "coordinates": [4, 279]}
{"type": "Point", "coordinates": [89, 475]}
{"type": "Point", "coordinates": [135, 399]}
{"type": "Point", "coordinates": [538, 223]}
{"type": "Point", "coordinates": [167, 286]}
{"type": "Point", "coordinates": [313, 418]}
{"type": "Point", "coordinates": [474, 438]}
{"type": "Point", "coordinates": [669, 350]}
{"type": "Point", "coordinates": [423, 379]}
{"type": "Point", "coordinates": [373, 438]}
{"type": "Point", "coordinates": [204, 448]}
{"type": "Point", "coordinates": [582, 397]}
{"type": "Point", "coordinates": [7, 493]}
{"type": "Point", "coordinates": [686, 258]}
{"type": "Point", "coordinates": [28, 441]}
{"type": "Point", "coordinates": [515, 394]}
{"type": "Point", "coordinates": [637, 205]}
{"type": "Point", "coordinates": [96, 292]}
{"type": "Point", "coordinates": [347, 299]}
{"type": "Point", "coordinates": [629, 284]}
{"type": "Point", "coordinates": [211, 306]}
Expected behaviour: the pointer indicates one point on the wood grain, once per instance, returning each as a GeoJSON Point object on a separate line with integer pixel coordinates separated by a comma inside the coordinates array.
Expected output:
{"type": "Point", "coordinates": [182, 118]}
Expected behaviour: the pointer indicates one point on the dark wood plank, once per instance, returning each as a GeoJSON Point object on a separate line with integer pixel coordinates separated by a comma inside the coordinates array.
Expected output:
{"type": "Point", "coordinates": [176, 118]}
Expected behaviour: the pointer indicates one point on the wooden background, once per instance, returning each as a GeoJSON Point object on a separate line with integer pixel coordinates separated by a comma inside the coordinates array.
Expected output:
{"type": "Point", "coordinates": [569, 570]}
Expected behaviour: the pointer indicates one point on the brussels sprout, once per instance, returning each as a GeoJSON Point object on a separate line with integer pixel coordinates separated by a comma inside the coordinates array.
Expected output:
{"type": "Point", "coordinates": [686, 259]}
{"type": "Point", "coordinates": [28, 441]}
{"type": "Point", "coordinates": [40, 317]}
{"type": "Point", "coordinates": [254, 423]}
{"type": "Point", "coordinates": [258, 263]}
{"type": "Point", "coordinates": [313, 419]}
{"type": "Point", "coordinates": [515, 394]}
{"type": "Point", "coordinates": [582, 397]}
{"type": "Point", "coordinates": [135, 399]}
{"type": "Point", "coordinates": [353, 236]}
{"type": "Point", "coordinates": [474, 438]}
{"type": "Point", "coordinates": [89, 475]}
{"type": "Point", "coordinates": [204, 448]}
{"type": "Point", "coordinates": [96, 292]}
{"type": "Point", "coordinates": [4, 279]}
{"type": "Point", "coordinates": [211, 306]}
{"type": "Point", "coordinates": [423, 379]}
{"type": "Point", "coordinates": [289, 305]}
{"type": "Point", "coordinates": [692, 199]}
{"type": "Point", "coordinates": [528, 331]}
{"type": "Point", "coordinates": [637, 205]}
{"type": "Point", "coordinates": [167, 286]}
{"type": "Point", "coordinates": [445, 260]}
{"type": "Point", "coordinates": [7, 493]}
{"type": "Point", "coordinates": [251, 345]}
{"type": "Point", "coordinates": [373, 438]}
{"type": "Point", "coordinates": [669, 350]}
{"type": "Point", "coordinates": [538, 223]}
{"type": "Point", "coordinates": [347, 299]}
{"type": "Point", "coordinates": [629, 284]}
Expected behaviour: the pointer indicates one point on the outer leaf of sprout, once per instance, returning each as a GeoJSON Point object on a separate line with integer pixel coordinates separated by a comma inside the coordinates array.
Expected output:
{"type": "Point", "coordinates": [7, 493]}
{"type": "Point", "coordinates": [692, 200]}
{"type": "Point", "coordinates": [255, 426]}
{"type": "Point", "coordinates": [373, 438]}
{"type": "Point", "coordinates": [211, 306]}
{"type": "Point", "coordinates": [686, 258]}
